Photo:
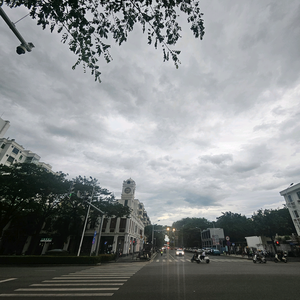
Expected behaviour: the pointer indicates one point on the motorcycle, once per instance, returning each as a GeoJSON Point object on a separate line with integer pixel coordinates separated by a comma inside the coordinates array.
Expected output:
{"type": "Point", "coordinates": [259, 258]}
{"type": "Point", "coordinates": [279, 258]}
{"type": "Point", "coordinates": [200, 258]}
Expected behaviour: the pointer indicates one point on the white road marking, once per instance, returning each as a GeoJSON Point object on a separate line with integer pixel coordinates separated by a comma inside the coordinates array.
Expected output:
{"type": "Point", "coordinates": [9, 279]}
{"type": "Point", "coordinates": [65, 290]}
{"type": "Point", "coordinates": [95, 277]}
{"type": "Point", "coordinates": [58, 295]}
{"type": "Point", "coordinates": [89, 280]}
{"type": "Point", "coordinates": [73, 284]}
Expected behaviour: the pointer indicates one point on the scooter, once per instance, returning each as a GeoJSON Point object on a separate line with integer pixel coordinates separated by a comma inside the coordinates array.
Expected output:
{"type": "Point", "coordinates": [200, 258]}
{"type": "Point", "coordinates": [282, 258]}
{"type": "Point", "coordinates": [257, 258]}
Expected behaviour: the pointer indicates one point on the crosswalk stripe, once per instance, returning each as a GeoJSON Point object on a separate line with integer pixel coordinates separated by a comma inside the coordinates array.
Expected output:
{"type": "Point", "coordinates": [83, 281]}
{"type": "Point", "coordinates": [94, 282]}
{"type": "Point", "coordinates": [94, 277]}
{"type": "Point", "coordinates": [59, 295]}
{"type": "Point", "coordinates": [73, 284]}
{"type": "Point", "coordinates": [65, 290]}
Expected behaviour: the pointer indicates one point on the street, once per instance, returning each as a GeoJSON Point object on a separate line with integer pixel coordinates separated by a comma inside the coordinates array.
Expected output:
{"type": "Point", "coordinates": [165, 277]}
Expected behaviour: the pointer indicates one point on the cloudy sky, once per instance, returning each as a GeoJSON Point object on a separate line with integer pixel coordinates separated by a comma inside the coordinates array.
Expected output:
{"type": "Point", "coordinates": [221, 133]}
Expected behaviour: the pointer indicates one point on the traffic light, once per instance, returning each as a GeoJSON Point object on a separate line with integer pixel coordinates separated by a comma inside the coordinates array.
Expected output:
{"type": "Point", "coordinates": [277, 243]}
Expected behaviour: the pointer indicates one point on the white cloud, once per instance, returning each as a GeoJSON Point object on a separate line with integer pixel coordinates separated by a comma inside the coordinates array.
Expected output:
{"type": "Point", "coordinates": [220, 133]}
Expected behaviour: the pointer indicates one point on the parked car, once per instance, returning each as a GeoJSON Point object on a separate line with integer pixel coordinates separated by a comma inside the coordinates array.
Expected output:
{"type": "Point", "coordinates": [215, 252]}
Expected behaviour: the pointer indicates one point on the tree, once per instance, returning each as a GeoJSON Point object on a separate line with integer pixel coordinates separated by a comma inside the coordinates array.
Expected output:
{"type": "Point", "coordinates": [68, 223]}
{"type": "Point", "coordinates": [88, 25]}
{"type": "Point", "coordinates": [159, 235]}
{"type": "Point", "coordinates": [28, 190]}
{"type": "Point", "coordinates": [33, 200]}
{"type": "Point", "coordinates": [188, 231]}
{"type": "Point", "coordinates": [235, 225]}
{"type": "Point", "coordinates": [270, 222]}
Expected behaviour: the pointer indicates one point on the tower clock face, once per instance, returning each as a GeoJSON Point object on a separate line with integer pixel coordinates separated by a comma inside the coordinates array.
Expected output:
{"type": "Point", "coordinates": [127, 190]}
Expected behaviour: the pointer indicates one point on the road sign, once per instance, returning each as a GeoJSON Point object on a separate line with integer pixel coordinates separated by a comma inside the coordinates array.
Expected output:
{"type": "Point", "coordinates": [227, 238]}
{"type": "Point", "coordinates": [46, 240]}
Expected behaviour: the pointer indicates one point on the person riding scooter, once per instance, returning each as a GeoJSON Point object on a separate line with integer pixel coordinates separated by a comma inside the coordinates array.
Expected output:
{"type": "Point", "coordinates": [202, 256]}
{"type": "Point", "coordinates": [195, 256]}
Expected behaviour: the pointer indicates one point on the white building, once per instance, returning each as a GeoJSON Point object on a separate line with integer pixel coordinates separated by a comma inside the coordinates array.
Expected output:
{"type": "Point", "coordinates": [11, 152]}
{"type": "Point", "coordinates": [212, 238]}
{"type": "Point", "coordinates": [3, 127]}
{"type": "Point", "coordinates": [125, 235]}
{"type": "Point", "coordinates": [292, 199]}
{"type": "Point", "coordinates": [259, 243]}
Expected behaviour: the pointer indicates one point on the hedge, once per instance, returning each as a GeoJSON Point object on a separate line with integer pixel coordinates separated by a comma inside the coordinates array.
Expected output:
{"type": "Point", "coordinates": [58, 260]}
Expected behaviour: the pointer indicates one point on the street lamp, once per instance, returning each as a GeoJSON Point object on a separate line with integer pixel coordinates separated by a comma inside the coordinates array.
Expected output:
{"type": "Point", "coordinates": [153, 236]}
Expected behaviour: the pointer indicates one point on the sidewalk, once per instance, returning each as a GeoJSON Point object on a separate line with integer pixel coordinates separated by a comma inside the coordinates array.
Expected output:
{"type": "Point", "coordinates": [290, 259]}
{"type": "Point", "coordinates": [131, 258]}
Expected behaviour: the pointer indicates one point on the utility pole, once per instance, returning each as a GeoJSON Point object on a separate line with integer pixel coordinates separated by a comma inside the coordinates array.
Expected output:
{"type": "Point", "coordinates": [24, 45]}
{"type": "Point", "coordinates": [85, 222]}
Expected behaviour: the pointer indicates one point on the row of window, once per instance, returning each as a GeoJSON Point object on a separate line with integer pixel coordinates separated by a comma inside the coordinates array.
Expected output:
{"type": "Point", "coordinates": [291, 199]}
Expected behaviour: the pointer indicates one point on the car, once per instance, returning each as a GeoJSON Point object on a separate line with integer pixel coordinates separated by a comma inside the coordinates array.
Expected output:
{"type": "Point", "coordinates": [215, 252]}
{"type": "Point", "coordinates": [179, 252]}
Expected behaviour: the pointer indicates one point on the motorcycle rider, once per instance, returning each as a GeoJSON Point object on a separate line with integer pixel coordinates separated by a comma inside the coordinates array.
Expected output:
{"type": "Point", "coordinates": [202, 255]}
{"type": "Point", "coordinates": [195, 256]}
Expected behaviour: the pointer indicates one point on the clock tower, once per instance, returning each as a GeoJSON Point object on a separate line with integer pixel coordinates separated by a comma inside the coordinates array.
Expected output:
{"type": "Point", "coordinates": [128, 192]}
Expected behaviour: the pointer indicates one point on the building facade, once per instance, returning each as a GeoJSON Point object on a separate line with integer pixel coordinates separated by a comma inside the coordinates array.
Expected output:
{"type": "Point", "coordinates": [124, 235]}
{"type": "Point", "coordinates": [4, 125]}
{"type": "Point", "coordinates": [292, 198]}
{"type": "Point", "coordinates": [212, 238]}
{"type": "Point", "coordinates": [11, 152]}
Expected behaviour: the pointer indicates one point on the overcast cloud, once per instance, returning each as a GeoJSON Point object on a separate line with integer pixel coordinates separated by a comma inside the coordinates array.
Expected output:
{"type": "Point", "coordinates": [221, 133]}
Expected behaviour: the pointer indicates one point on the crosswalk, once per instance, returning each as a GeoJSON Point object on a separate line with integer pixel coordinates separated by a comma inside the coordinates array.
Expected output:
{"type": "Point", "coordinates": [213, 260]}
{"type": "Point", "coordinates": [98, 281]}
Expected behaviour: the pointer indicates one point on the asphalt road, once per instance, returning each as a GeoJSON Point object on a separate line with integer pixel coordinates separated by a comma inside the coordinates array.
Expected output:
{"type": "Point", "coordinates": [165, 277]}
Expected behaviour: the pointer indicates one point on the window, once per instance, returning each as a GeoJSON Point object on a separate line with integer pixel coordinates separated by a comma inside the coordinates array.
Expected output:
{"type": "Point", "coordinates": [298, 194]}
{"type": "Point", "coordinates": [126, 203]}
{"type": "Point", "coordinates": [21, 156]}
{"type": "Point", "coordinates": [296, 214]}
{"type": "Point", "coordinates": [113, 222]}
{"type": "Point", "coordinates": [10, 159]}
{"type": "Point", "coordinates": [104, 225]}
{"type": "Point", "coordinates": [122, 225]}
{"type": "Point", "coordinates": [290, 198]}
{"type": "Point", "coordinates": [16, 150]}
{"type": "Point", "coordinates": [2, 146]}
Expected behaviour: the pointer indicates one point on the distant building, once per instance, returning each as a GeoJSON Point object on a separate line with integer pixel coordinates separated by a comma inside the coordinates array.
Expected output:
{"type": "Point", "coordinates": [11, 152]}
{"type": "Point", "coordinates": [292, 199]}
{"type": "Point", "coordinates": [212, 238]}
{"type": "Point", "coordinates": [125, 235]}
{"type": "Point", "coordinates": [259, 243]}
{"type": "Point", "coordinates": [4, 125]}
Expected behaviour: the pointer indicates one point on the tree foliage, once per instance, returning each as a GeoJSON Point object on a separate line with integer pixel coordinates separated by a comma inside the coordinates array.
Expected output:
{"type": "Point", "coordinates": [188, 231]}
{"type": "Point", "coordinates": [235, 225]}
{"type": "Point", "coordinates": [27, 188]}
{"type": "Point", "coordinates": [33, 200]}
{"type": "Point", "coordinates": [158, 237]}
{"type": "Point", "coordinates": [270, 222]}
{"type": "Point", "coordinates": [89, 26]}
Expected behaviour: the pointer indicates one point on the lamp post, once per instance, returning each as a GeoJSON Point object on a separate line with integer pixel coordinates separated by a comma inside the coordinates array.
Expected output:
{"type": "Point", "coordinates": [153, 236]}
{"type": "Point", "coordinates": [168, 230]}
